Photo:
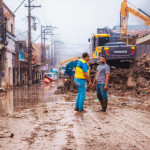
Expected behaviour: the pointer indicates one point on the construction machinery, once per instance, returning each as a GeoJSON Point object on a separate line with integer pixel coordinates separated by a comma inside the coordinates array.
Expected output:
{"type": "Point", "coordinates": [125, 10]}
{"type": "Point", "coordinates": [68, 69]}
{"type": "Point", "coordinates": [70, 59]}
{"type": "Point", "coordinates": [102, 45]}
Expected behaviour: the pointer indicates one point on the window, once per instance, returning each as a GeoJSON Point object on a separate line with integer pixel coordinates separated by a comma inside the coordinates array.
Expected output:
{"type": "Point", "coordinates": [12, 29]}
{"type": "Point", "coordinates": [102, 41]}
{"type": "Point", "coordinates": [49, 75]}
{"type": "Point", "coordinates": [20, 46]}
{"type": "Point", "coordinates": [94, 42]}
{"type": "Point", "coordinates": [63, 68]}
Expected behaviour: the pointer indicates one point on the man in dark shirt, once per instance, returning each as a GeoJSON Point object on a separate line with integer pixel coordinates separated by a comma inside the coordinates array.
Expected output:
{"type": "Point", "coordinates": [101, 79]}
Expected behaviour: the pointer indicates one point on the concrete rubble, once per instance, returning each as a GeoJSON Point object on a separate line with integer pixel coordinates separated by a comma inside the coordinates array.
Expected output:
{"type": "Point", "coordinates": [135, 79]}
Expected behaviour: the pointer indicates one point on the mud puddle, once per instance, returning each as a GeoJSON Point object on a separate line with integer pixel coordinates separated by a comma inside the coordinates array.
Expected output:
{"type": "Point", "coordinates": [28, 97]}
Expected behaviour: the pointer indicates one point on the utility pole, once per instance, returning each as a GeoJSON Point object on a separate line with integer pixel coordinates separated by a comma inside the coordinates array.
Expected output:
{"type": "Point", "coordinates": [56, 50]}
{"type": "Point", "coordinates": [29, 41]}
{"type": "Point", "coordinates": [46, 30]}
{"type": "Point", "coordinates": [51, 51]}
{"type": "Point", "coordinates": [29, 45]}
{"type": "Point", "coordinates": [1, 3]}
{"type": "Point", "coordinates": [44, 48]}
{"type": "Point", "coordinates": [42, 44]}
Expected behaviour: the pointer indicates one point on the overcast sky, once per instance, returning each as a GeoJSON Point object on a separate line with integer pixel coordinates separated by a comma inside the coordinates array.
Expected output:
{"type": "Point", "coordinates": [77, 19]}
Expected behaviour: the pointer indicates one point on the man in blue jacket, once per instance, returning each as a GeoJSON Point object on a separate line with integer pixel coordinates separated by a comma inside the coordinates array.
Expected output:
{"type": "Point", "coordinates": [81, 78]}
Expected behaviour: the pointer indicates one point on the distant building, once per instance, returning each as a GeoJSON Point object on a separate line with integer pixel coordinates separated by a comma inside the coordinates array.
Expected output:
{"type": "Point", "coordinates": [22, 62]}
{"type": "Point", "coordinates": [133, 27]}
{"type": "Point", "coordinates": [139, 34]}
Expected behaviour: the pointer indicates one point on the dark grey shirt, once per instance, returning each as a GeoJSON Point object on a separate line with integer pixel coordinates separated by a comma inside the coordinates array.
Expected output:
{"type": "Point", "coordinates": [102, 70]}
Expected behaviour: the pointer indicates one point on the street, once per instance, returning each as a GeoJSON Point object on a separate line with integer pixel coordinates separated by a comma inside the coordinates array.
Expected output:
{"type": "Point", "coordinates": [36, 118]}
{"type": "Point", "coordinates": [74, 75]}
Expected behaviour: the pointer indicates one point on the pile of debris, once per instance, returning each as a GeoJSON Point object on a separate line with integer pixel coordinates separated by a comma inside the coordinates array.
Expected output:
{"type": "Point", "coordinates": [136, 79]}
{"type": "Point", "coordinates": [69, 86]}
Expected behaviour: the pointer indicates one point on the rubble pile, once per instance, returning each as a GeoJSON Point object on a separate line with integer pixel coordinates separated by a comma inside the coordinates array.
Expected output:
{"type": "Point", "coordinates": [136, 79]}
{"type": "Point", "coordinates": [69, 86]}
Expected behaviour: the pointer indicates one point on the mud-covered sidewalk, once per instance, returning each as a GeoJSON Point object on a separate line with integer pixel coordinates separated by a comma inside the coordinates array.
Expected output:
{"type": "Point", "coordinates": [43, 120]}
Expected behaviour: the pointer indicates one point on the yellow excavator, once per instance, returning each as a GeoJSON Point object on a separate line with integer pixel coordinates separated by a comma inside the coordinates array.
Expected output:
{"type": "Point", "coordinates": [64, 69]}
{"type": "Point", "coordinates": [101, 43]}
{"type": "Point", "coordinates": [70, 59]}
{"type": "Point", "coordinates": [125, 10]}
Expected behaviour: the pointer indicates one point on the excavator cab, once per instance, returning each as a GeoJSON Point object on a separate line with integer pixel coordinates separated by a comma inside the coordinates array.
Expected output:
{"type": "Point", "coordinates": [97, 41]}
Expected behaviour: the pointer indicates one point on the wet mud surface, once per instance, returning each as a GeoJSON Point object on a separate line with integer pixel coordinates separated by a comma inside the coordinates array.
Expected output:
{"type": "Point", "coordinates": [38, 119]}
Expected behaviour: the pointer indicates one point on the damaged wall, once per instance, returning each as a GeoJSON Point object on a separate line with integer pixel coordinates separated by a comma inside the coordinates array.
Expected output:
{"type": "Point", "coordinates": [142, 49]}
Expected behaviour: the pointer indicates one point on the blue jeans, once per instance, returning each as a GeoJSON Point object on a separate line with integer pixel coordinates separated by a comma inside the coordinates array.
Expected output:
{"type": "Point", "coordinates": [102, 95]}
{"type": "Point", "coordinates": [81, 85]}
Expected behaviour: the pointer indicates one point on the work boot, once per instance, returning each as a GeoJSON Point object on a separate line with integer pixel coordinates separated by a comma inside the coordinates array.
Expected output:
{"type": "Point", "coordinates": [103, 110]}
{"type": "Point", "coordinates": [76, 109]}
{"type": "Point", "coordinates": [82, 110]}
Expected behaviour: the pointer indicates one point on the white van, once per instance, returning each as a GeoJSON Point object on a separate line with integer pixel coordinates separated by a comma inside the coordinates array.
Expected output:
{"type": "Point", "coordinates": [52, 75]}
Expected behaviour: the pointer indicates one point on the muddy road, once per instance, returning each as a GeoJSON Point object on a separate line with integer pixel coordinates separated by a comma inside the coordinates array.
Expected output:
{"type": "Point", "coordinates": [36, 118]}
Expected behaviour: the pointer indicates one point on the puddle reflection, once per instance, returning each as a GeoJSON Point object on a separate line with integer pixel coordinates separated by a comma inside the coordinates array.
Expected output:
{"type": "Point", "coordinates": [6, 103]}
{"type": "Point", "coordinates": [27, 97]}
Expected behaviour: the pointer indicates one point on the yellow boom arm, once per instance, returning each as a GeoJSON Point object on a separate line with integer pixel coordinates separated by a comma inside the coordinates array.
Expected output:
{"type": "Point", "coordinates": [71, 59]}
{"type": "Point", "coordinates": [125, 10]}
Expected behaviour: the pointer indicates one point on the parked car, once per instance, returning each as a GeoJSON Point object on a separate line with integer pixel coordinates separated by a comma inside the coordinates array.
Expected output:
{"type": "Point", "coordinates": [52, 75]}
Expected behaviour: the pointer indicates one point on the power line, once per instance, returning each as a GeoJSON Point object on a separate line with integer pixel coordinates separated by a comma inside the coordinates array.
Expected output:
{"type": "Point", "coordinates": [132, 5]}
{"type": "Point", "coordinates": [16, 9]}
{"type": "Point", "coordinates": [36, 39]}
{"type": "Point", "coordinates": [21, 33]}
{"type": "Point", "coordinates": [41, 17]}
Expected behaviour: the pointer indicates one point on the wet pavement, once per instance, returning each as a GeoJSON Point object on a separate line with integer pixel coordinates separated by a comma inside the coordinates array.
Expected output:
{"type": "Point", "coordinates": [27, 97]}
{"type": "Point", "coordinates": [34, 118]}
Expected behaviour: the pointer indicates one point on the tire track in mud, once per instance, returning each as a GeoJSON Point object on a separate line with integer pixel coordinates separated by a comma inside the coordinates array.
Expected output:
{"type": "Point", "coordinates": [63, 139]}
{"type": "Point", "coordinates": [56, 126]}
{"type": "Point", "coordinates": [87, 132]}
{"type": "Point", "coordinates": [45, 122]}
{"type": "Point", "coordinates": [132, 122]}
{"type": "Point", "coordinates": [93, 132]}
{"type": "Point", "coordinates": [129, 133]}
{"type": "Point", "coordinates": [103, 130]}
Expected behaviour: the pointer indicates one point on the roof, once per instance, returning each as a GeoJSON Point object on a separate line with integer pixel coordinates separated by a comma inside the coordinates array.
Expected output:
{"type": "Point", "coordinates": [133, 27]}
{"type": "Point", "coordinates": [8, 9]}
{"type": "Point", "coordinates": [143, 40]}
{"type": "Point", "coordinates": [139, 33]}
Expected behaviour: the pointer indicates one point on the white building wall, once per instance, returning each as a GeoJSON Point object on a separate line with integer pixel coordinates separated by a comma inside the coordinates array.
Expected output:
{"type": "Point", "coordinates": [10, 49]}
{"type": "Point", "coordinates": [11, 44]}
{"type": "Point", "coordinates": [9, 66]}
{"type": "Point", "coordinates": [9, 70]}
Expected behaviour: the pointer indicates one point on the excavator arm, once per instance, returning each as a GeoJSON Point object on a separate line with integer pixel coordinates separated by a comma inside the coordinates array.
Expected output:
{"type": "Point", "coordinates": [139, 15]}
{"type": "Point", "coordinates": [125, 10]}
{"type": "Point", "coordinates": [124, 17]}
{"type": "Point", "coordinates": [71, 59]}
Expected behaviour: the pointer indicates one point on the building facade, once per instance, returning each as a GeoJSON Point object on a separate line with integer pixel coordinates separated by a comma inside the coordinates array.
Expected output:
{"type": "Point", "coordinates": [9, 50]}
